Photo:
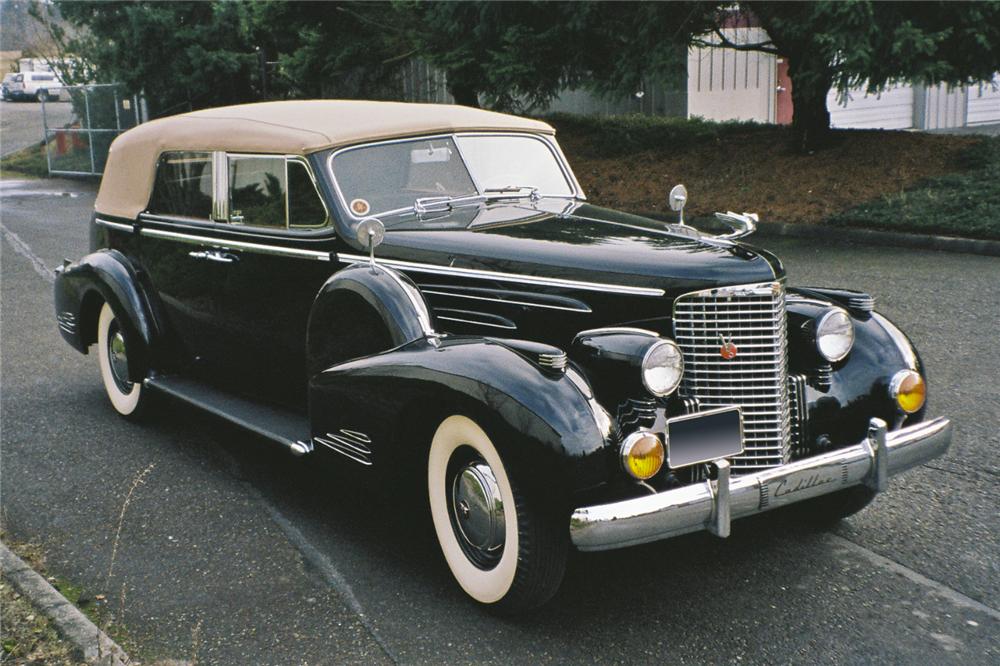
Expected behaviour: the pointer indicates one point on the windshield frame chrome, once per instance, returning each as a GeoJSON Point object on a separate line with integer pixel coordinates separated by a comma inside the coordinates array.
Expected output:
{"type": "Point", "coordinates": [480, 195]}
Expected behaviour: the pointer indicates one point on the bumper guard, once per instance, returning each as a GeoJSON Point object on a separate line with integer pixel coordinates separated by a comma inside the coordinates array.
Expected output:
{"type": "Point", "coordinates": [710, 505]}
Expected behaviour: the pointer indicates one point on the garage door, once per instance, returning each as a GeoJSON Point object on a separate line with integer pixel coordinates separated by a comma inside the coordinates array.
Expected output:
{"type": "Point", "coordinates": [892, 109]}
{"type": "Point", "coordinates": [984, 102]}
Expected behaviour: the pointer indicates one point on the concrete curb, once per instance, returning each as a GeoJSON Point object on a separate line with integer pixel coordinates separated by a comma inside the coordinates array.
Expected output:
{"type": "Point", "coordinates": [92, 644]}
{"type": "Point", "coordinates": [873, 237]}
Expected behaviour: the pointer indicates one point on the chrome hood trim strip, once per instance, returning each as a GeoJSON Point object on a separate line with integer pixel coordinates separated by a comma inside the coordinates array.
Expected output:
{"type": "Point", "coordinates": [505, 277]}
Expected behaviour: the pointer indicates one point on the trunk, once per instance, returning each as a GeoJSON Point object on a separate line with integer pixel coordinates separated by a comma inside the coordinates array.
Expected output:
{"type": "Point", "coordinates": [464, 94]}
{"type": "Point", "coordinates": [811, 81]}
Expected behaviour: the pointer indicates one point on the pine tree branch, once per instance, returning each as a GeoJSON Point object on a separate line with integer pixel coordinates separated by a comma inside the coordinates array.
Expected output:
{"type": "Point", "coordinates": [725, 42]}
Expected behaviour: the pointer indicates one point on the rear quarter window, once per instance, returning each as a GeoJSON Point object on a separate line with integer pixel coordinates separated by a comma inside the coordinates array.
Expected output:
{"type": "Point", "coordinates": [183, 185]}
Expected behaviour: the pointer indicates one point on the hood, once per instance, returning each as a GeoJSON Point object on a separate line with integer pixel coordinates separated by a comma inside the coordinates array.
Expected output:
{"type": "Point", "coordinates": [576, 241]}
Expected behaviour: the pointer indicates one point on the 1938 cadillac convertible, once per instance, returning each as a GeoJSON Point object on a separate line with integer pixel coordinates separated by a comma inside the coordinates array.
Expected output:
{"type": "Point", "coordinates": [424, 289]}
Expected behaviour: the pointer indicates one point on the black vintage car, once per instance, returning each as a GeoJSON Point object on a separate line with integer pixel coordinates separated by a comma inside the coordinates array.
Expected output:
{"type": "Point", "coordinates": [424, 289]}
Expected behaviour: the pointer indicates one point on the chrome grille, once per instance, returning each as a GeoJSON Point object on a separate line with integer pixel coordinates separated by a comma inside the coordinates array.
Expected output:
{"type": "Point", "coordinates": [753, 318]}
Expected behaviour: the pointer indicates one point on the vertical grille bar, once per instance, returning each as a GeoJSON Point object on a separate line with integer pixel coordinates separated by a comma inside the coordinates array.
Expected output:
{"type": "Point", "coordinates": [752, 317]}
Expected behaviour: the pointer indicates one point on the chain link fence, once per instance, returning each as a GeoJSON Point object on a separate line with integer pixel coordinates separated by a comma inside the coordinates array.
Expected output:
{"type": "Point", "coordinates": [100, 113]}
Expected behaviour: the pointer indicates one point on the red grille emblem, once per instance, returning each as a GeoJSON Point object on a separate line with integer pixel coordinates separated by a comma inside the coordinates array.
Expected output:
{"type": "Point", "coordinates": [728, 350]}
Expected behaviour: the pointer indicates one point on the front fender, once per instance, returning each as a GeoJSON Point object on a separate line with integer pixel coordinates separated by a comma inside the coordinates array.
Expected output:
{"type": "Point", "coordinates": [859, 385]}
{"type": "Point", "coordinates": [548, 429]}
{"type": "Point", "coordinates": [106, 276]}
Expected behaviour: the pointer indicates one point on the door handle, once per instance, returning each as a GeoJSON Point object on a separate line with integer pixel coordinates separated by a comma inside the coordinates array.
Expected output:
{"type": "Point", "coordinates": [217, 256]}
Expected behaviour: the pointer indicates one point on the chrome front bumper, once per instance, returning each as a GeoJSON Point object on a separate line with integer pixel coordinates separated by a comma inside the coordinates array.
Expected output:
{"type": "Point", "coordinates": [710, 505]}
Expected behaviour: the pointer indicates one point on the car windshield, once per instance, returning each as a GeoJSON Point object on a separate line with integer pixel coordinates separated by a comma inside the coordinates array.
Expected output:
{"type": "Point", "coordinates": [392, 176]}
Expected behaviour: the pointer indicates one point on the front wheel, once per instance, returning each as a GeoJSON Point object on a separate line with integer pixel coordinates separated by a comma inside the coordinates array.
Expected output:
{"type": "Point", "coordinates": [42, 96]}
{"type": "Point", "coordinates": [500, 547]}
{"type": "Point", "coordinates": [127, 397]}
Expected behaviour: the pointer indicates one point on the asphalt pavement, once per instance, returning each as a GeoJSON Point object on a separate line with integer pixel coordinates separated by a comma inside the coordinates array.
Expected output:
{"type": "Point", "coordinates": [21, 123]}
{"type": "Point", "coordinates": [235, 553]}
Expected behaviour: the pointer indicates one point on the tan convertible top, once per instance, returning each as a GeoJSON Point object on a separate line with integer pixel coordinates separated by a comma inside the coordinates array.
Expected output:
{"type": "Point", "coordinates": [292, 128]}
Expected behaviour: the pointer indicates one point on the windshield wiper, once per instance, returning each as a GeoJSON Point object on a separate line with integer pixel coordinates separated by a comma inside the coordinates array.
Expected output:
{"type": "Point", "coordinates": [515, 190]}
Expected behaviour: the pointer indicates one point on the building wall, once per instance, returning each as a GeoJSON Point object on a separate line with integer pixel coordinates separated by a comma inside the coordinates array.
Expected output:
{"type": "Point", "coordinates": [725, 84]}
{"type": "Point", "coordinates": [984, 102]}
{"type": "Point", "coordinates": [891, 109]}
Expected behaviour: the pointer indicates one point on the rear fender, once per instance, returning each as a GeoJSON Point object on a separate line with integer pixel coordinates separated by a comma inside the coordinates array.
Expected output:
{"type": "Point", "coordinates": [106, 276]}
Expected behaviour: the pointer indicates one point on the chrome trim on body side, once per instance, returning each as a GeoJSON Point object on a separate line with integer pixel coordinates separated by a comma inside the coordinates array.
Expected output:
{"type": "Point", "coordinates": [235, 244]}
{"type": "Point", "coordinates": [117, 226]}
{"type": "Point", "coordinates": [902, 344]}
{"type": "Point", "coordinates": [505, 277]}
{"type": "Point", "coordinates": [697, 506]}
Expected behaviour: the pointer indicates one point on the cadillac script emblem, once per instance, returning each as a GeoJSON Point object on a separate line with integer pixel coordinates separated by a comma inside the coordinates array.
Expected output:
{"type": "Point", "coordinates": [728, 350]}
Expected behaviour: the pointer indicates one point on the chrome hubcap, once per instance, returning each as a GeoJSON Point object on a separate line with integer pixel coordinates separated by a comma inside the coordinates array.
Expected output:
{"type": "Point", "coordinates": [118, 359]}
{"type": "Point", "coordinates": [478, 513]}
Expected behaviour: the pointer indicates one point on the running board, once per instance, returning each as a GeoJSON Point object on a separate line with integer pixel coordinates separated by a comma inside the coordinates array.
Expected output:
{"type": "Point", "coordinates": [282, 427]}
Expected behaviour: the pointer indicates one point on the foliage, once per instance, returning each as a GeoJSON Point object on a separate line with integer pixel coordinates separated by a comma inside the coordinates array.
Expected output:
{"type": "Point", "coordinates": [960, 204]}
{"type": "Point", "coordinates": [332, 49]}
{"type": "Point", "coordinates": [29, 162]}
{"type": "Point", "coordinates": [615, 136]}
{"type": "Point", "coordinates": [179, 54]}
{"type": "Point", "coordinates": [519, 55]}
{"type": "Point", "coordinates": [875, 44]}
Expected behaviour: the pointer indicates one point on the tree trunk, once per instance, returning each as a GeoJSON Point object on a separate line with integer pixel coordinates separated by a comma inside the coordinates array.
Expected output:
{"type": "Point", "coordinates": [811, 81]}
{"type": "Point", "coordinates": [464, 93]}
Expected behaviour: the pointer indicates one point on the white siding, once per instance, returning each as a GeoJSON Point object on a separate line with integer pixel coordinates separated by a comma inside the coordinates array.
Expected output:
{"type": "Point", "coordinates": [944, 107]}
{"type": "Point", "coordinates": [984, 102]}
{"type": "Point", "coordinates": [891, 109]}
{"type": "Point", "coordinates": [724, 84]}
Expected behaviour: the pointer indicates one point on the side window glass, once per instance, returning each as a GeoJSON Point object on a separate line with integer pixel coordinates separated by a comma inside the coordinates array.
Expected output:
{"type": "Point", "coordinates": [305, 208]}
{"type": "Point", "coordinates": [183, 185]}
{"type": "Point", "coordinates": [257, 191]}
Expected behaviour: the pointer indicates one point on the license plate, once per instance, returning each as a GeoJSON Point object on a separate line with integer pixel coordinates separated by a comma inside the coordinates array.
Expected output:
{"type": "Point", "coordinates": [705, 436]}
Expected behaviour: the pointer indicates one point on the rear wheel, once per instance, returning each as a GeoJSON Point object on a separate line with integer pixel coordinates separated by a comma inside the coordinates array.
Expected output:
{"type": "Point", "coordinates": [501, 548]}
{"type": "Point", "coordinates": [127, 397]}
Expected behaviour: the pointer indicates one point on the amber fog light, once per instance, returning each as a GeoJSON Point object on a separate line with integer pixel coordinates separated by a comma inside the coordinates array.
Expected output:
{"type": "Point", "coordinates": [642, 455]}
{"type": "Point", "coordinates": [908, 390]}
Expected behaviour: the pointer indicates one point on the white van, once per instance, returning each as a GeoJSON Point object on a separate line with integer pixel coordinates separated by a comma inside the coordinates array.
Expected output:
{"type": "Point", "coordinates": [41, 86]}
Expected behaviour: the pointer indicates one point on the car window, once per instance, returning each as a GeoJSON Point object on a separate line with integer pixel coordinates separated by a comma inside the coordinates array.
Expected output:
{"type": "Point", "coordinates": [305, 208]}
{"type": "Point", "coordinates": [183, 185]}
{"type": "Point", "coordinates": [257, 187]}
{"type": "Point", "coordinates": [500, 162]}
{"type": "Point", "coordinates": [393, 175]}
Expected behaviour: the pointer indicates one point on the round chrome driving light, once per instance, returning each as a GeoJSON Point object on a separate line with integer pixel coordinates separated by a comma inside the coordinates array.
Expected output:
{"type": "Point", "coordinates": [834, 335]}
{"type": "Point", "coordinates": [642, 455]}
{"type": "Point", "coordinates": [662, 368]}
{"type": "Point", "coordinates": [909, 391]}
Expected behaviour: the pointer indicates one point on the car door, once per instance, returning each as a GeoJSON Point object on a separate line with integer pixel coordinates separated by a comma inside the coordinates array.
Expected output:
{"type": "Point", "coordinates": [264, 300]}
{"type": "Point", "coordinates": [184, 271]}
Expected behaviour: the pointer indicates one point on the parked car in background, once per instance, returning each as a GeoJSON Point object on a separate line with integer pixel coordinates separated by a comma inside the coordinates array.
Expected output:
{"type": "Point", "coordinates": [39, 86]}
{"type": "Point", "coordinates": [8, 78]}
{"type": "Point", "coordinates": [424, 290]}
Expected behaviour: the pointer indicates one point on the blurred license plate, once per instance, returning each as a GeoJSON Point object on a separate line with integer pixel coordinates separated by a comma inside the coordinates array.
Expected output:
{"type": "Point", "coordinates": [705, 436]}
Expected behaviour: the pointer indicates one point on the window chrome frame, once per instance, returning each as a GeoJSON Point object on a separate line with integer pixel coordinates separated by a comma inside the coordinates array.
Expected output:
{"type": "Point", "coordinates": [222, 191]}
{"type": "Point", "coordinates": [547, 140]}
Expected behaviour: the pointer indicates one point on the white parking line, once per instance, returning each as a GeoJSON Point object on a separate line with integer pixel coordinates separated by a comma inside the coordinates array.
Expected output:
{"type": "Point", "coordinates": [24, 250]}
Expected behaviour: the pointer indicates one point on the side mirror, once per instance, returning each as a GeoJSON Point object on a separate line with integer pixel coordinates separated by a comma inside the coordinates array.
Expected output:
{"type": "Point", "coordinates": [370, 233]}
{"type": "Point", "coordinates": [677, 200]}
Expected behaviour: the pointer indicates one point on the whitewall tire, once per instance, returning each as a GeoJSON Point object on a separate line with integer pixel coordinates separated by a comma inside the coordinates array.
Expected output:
{"type": "Point", "coordinates": [500, 550]}
{"type": "Point", "coordinates": [126, 397]}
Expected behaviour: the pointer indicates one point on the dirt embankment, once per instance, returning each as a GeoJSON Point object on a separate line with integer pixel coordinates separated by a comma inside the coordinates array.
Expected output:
{"type": "Point", "coordinates": [757, 171]}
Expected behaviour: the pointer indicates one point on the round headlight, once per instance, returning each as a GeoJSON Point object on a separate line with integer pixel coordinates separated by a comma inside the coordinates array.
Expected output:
{"type": "Point", "coordinates": [909, 391]}
{"type": "Point", "coordinates": [662, 368]}
{"type": "Point", "coordinates": [642, 455]}
{"type": "Point", "coordinates": [834, 335]}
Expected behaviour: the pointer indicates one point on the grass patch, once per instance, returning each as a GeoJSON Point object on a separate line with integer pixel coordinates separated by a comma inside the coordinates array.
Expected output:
{"type": "Point", "coordinates": [965, 204]}
{"type": "Point", "coordinates": [28, 636]}
{"type": "Point", "coordinates": [28, 162]}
